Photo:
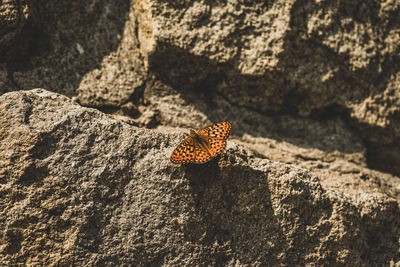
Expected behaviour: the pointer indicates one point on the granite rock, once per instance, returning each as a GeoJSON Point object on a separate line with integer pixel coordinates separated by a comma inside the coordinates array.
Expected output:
{"type": "Point", "coordinates": [79, 187]}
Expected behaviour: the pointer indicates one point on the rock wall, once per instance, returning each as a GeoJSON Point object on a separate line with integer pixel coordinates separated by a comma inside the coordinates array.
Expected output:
{"type": "Point", "coordinates": [310, 175]}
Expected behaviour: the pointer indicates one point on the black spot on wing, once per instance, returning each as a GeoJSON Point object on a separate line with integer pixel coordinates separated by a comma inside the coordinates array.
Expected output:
{"type": "Point", "coordinates": [217, 146]}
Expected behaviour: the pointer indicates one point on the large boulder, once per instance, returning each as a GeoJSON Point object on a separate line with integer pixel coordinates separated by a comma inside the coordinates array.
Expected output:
{"type": "Point", "coordinates": [79, 187]}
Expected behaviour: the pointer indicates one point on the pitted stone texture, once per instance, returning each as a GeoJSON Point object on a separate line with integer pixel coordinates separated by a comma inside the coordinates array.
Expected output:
{"type": "Point", "coordinates": [13, 17]}
{"type": "Point", "coordinates": [81, 188]}
{"type": "Point", "coordinates": [305, 58]}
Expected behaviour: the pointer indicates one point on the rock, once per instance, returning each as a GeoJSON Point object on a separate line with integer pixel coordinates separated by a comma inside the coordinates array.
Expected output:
{"type": "Point", "coordinates": [261, 54]}
{"type": "Point", "coordinates": [81, 188]}
{"type": "Point", "coordinates": [312, 90]}
{"type": "Point", "coordinates": [70, 59]}
{"type": "Point", "coordinates": [379, 124]}
{"type": "Point", "coordinates": [13, 18]}
{"type": "Point", "coordinates": [309, 59]}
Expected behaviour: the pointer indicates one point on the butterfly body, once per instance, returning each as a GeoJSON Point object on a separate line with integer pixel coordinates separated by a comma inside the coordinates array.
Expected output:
{"type": "Point", "coordinates": [203, 145]}
{"type": "Point", "coordinates": [201, 141]}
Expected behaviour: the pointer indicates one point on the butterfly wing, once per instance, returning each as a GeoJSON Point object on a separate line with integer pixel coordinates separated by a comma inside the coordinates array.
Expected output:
{"type": "Point", "coordinates": [202, 156]}
{"type": "Point", "coordinates": [216, 146]}
{"type": "Point", "coordinates": [220, 130]}
{"type": "Point", "coordinates": [185, 152]}
{"type": "Point", "coordinates": [190, 151]}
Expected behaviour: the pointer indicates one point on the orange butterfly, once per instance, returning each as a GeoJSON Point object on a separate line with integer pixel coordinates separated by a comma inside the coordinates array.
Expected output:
{"type": "Point", "coordinates": [202, 146]}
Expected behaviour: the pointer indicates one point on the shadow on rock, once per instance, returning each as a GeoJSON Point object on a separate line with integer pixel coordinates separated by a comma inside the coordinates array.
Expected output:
{"type": "Point", "coordinates": [252, 102]}
{"type": "Point", "coordinates": [69, 40]}
{"type": "Point", "coordinates": [234, 213]}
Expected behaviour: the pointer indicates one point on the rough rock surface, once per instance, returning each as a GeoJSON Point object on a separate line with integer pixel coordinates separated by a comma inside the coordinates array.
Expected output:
{"type": "Point", "coordinates": [309, 50]}
{"type": "Point", "coordinates": [78, 42]}
{"type": "Point", "coordinates": [312, 89]}
{"type": "Point", "coordinates": [299, 57]}
{"type": "Point", "coordinates": [308, 58]}
{"type": "Point", "coordinates": [79, 187]}
{"type": "Point", "coordinates": [14, 15]}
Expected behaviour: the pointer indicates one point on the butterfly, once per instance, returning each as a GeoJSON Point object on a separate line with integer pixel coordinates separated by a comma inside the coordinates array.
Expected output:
{"type": "Point", "coordinates": [203, 145]}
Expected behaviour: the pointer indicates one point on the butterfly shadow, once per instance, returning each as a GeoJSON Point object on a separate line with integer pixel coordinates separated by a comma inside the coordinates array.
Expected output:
{"type": "Point", "coordinates": [222, 194]}
{"type": "Point", "coordinates": [202, 174]}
